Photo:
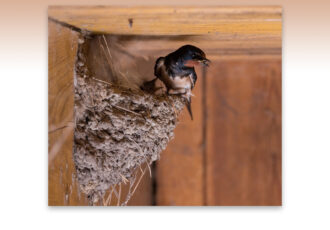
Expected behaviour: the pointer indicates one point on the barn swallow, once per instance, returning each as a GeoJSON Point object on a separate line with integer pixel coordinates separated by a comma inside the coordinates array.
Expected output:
{"type": "Point", "coordinates": [177, 71]}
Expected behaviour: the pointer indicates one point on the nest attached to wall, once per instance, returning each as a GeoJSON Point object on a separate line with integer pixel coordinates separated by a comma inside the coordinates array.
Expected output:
{"type": "Point", "coordinates": [117, 130]}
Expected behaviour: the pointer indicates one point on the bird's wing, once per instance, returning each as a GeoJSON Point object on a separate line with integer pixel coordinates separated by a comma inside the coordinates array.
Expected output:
{"type": "Point", "coordinates": [193, 78]}
{"type": "Point", "coordinates": [159, 63]}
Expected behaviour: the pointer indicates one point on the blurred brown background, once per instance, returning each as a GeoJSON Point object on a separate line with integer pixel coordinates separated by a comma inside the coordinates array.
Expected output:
{"type": "Point", "coordinates": [230, 154]}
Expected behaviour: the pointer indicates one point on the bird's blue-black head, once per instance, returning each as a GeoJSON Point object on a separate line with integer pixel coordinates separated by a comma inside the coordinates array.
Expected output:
{"type": "Point", "coordinates": [188, 55]}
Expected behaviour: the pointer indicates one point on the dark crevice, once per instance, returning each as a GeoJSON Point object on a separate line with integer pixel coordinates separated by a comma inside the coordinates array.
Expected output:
{"type": "Point", "coordinates": [154, 185]}
{"type": "Point", "coordinates": [74, 28]}
{"type": "Point", "coordinates": [204, 134]}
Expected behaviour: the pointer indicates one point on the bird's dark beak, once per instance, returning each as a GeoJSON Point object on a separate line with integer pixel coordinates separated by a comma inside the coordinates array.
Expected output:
{"type": "Point", "coordinates": [205, 61]}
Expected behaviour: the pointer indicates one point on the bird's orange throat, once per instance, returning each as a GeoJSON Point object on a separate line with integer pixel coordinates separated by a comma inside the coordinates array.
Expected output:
{"type": "Point", "coordinates": [191, 63]}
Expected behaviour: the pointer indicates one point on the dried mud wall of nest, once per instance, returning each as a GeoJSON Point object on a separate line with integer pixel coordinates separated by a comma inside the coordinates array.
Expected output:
{"type": "Point", "coordinates": [116, 130]}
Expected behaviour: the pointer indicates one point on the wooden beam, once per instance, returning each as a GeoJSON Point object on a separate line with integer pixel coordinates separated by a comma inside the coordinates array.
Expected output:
{"type": "Point", "coordinates": [180, 20]}
{"type": "Point", "coordinates": [62, 183]}
{"type": "Point", "coordinates": [63, 187]}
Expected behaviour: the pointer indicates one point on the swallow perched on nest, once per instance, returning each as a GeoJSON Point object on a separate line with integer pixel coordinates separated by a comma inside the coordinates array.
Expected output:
{"type": "Point", "coordinates": [177, 71]}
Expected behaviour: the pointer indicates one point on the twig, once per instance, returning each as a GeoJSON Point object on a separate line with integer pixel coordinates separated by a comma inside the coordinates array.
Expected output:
{"type": "Point", "coordinates": [108, 201]}
{"type": "Point", "coordinates": [105, 54]}
{"type": "Point", "coordinates": [127, 110]}
{"type": "Point", "coordinates": [149, 169]}
{"type": "Point", "coordinates": [137, 184]}
{"type": "Point", "coordinates": [106, 43]}
{"type": "Point", "coordinates": [129, 194]}
{"type": "Point", "coordinates": [115, 70]}
{"type": "Point", "coordinates": [124, 178]}
{"type": "Point", "coordinates": [119, 195]}
{"type": "Point", "coordinates": [101, 81]}
{"type": "Point", "coordinates": [115, 192]}
{"type": "Point", "coordinates": [126, 79]}
{"type": "Point", "coordinates": [109, 61]}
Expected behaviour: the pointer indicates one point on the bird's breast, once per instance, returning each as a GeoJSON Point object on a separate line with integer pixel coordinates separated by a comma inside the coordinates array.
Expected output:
{"type": "Point", "coordinates": [181, 82]}
{"type": "Point", "coordinates": [175, 81]}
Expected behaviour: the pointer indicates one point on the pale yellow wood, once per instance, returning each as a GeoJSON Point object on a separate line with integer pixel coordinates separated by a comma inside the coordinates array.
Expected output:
{"type": "Point", "coordinates": [238, 21]}
{"type": "Point", "coordinates": [62, 184]}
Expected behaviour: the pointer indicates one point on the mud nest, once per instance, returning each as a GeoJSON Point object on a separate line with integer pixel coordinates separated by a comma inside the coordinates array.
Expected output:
{"type": "Point", "coordinates": [117, 130]}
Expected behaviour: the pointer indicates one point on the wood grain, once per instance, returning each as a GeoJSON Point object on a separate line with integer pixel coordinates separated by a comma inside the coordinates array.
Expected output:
{"type": "Point", "coordinates": [63, 188]}
{"type": "Point", "coordinates": [180, 170]}
{"type": "Point", "coordinates": [180, 20]}
{"type": "Point", "coordinates": [241, 161]}
{"type": "Point", "coordinates": [243, 141]}
{"type": "Point", "coordinates": [62, 184]}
